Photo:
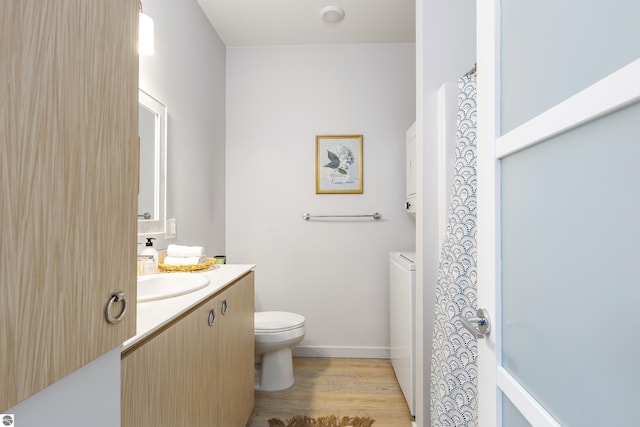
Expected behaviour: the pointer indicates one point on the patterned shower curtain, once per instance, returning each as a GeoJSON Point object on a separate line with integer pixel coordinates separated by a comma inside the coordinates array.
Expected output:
{"type": "Point", "coordinates": [454, 381]}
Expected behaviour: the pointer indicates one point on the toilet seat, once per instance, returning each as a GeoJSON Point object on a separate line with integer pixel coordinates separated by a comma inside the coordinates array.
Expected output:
{"type": "Point", "coordinates": [270, 322]}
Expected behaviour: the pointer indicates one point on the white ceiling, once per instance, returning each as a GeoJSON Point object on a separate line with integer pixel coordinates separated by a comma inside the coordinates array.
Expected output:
{"type": "Point", "coordinates": [285, 22]}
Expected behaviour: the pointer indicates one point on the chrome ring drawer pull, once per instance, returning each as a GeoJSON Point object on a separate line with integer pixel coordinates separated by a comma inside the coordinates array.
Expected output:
{"type": "Point", "coordinates": [116, 297]}
{"type": "Point", "coordinates": [224, 307]}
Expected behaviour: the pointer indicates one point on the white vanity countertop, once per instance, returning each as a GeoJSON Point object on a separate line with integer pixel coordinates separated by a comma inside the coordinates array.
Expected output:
{"type": "Point", "coordinates": [152, 315]}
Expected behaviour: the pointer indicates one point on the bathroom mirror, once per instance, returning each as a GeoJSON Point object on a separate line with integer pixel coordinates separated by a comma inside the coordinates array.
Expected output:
{"type": "Point", "coordinates": [152, 129]}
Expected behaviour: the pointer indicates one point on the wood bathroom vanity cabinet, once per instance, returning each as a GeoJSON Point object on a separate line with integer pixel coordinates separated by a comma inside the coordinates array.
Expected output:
{"type": "Point", "coordinates": [198, 369]}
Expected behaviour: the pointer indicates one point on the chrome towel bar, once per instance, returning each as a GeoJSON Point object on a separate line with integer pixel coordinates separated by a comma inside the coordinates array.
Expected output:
{"type": "Point", "coordinates": [375, 216]}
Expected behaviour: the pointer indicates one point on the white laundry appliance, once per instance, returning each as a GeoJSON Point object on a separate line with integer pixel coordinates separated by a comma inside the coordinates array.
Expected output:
{"type": "Point", "coordinates": [402, 297]}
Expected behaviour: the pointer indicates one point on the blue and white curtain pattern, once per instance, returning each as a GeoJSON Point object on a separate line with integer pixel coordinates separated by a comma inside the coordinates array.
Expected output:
{"type": "Point", "coordinates": [454, 380]}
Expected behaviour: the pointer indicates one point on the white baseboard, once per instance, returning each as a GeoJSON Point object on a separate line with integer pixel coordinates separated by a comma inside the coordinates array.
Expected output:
{"type": "Point", "coordinates": [348, 352]}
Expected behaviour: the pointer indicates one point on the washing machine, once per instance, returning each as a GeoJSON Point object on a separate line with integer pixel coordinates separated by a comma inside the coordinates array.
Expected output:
{"type": "Point", "coordinates": [402, 321]}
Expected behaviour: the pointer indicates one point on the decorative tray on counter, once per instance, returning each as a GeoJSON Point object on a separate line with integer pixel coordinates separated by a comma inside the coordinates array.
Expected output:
{"type": "Point", "coordinates": [209, 262]}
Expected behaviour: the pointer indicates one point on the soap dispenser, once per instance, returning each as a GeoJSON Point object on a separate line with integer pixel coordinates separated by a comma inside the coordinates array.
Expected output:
{"type": "Point", "coordinates": [150, 265]}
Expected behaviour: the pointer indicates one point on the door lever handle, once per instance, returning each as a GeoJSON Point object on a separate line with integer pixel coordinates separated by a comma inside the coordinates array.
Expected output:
{"type": "Point", "coordinates": [479, 326]}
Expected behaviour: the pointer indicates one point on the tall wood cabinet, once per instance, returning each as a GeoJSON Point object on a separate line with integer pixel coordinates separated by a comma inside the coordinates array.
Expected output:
{"type": "Point", "coordinates": [68, 186]}
{"type": "Point", "coordinates": [199, 370]}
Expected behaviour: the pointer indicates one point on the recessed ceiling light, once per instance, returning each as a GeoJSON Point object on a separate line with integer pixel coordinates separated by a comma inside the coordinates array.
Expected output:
{"type": "Point", "coordinates": [332, 14]}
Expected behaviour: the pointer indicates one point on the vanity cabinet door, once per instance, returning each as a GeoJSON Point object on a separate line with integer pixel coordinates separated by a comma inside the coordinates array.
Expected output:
{"type": "Point", "coordinates": [236, 354]}
{"type": "Point", "coordinates": [171, 380]}
{"type": "Point", "coordinates": [68, 174]}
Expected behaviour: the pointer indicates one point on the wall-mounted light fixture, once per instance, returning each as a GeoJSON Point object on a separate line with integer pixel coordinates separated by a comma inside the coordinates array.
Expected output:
{"type": "Point", "coordinates": [145, 33]}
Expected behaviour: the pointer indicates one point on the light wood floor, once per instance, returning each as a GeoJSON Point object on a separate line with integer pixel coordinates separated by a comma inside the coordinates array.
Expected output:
{"type": "Point", "coordinates": [342, 387]}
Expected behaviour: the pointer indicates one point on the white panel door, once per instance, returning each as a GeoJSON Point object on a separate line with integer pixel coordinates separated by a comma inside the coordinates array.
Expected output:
{"type": "Point", "coordinates": [558, 199]}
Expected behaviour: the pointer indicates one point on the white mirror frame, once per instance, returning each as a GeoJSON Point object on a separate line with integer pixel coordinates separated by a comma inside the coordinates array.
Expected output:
{"type": "Point", "coordinates": [157, 223]}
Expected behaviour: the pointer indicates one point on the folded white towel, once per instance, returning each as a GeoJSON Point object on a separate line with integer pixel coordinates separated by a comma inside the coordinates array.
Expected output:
{"type": "Point", "coordinates": [183, 260]}
{"type": "Point", "coordinates": [185, 251]}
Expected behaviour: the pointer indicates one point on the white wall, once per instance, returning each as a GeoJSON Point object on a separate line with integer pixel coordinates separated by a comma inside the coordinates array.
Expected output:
{"type": "Point", "coordinates": [333, 273]}
{"type": "Point", "coordinates": [89, 396]}
{"type": "Point", "coordinates": [187, 73]}
{"type": "Point", "coordinates": [445, 43]}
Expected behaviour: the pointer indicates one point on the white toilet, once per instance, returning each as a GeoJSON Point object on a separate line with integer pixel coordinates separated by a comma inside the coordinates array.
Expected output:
{"type": "Point", "coordinates": [276, 333]}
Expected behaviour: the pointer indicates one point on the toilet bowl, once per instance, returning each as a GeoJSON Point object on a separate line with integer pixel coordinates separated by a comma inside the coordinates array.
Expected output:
{"type": "Point", "coordinates": [276, 333]}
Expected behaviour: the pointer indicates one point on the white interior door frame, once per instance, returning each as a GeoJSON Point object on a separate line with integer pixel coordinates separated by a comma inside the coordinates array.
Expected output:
{"type": "Point", "coordinates": [488, 241]}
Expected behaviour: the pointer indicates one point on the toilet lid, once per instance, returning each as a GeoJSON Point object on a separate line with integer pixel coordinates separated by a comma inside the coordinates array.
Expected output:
{"type": "Point", "coordinates": [277, 321]}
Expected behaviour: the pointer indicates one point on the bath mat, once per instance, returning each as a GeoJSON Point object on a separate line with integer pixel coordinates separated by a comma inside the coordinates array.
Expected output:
{"type": "Point", "coordinates": [330, 421]}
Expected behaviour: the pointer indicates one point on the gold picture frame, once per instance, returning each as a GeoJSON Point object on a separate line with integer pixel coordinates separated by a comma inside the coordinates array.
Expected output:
{"type": "Point", "coordinates": [339, 164]}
